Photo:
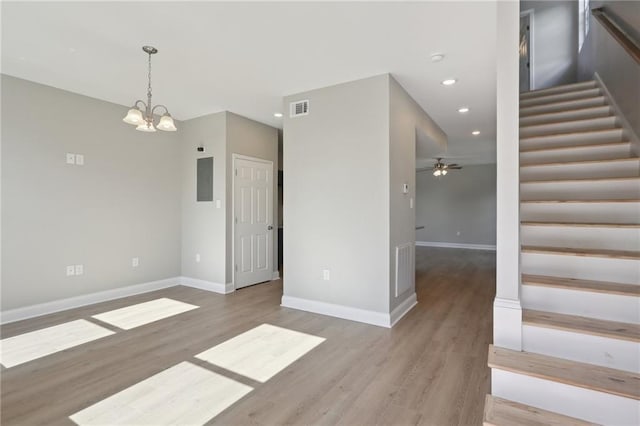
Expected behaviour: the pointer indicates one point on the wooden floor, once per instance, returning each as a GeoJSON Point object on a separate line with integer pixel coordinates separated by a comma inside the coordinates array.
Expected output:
{"type": "Point", "coordinates": [430, 369]}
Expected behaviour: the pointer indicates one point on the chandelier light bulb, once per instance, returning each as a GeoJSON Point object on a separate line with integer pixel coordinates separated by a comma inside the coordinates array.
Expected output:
{"type": "Point", "coordinates": [166, 123]}
{"type": "Point", "coordinates": [146, 127]}
{"type": "Point", "coordinates": [134, 116]}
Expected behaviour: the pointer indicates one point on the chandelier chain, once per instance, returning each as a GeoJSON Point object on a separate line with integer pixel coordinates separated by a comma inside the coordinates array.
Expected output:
{"type": "Point", "coordinates": [149, 86]}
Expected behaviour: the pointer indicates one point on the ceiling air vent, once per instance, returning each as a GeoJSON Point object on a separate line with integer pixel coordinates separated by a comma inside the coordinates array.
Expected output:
{"type": "Point", "coordinates": [299, 108]}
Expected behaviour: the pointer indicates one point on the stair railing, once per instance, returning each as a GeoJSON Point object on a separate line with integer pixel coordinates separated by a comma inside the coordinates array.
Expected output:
{"type": "Point", "coordinates": [617, 33]}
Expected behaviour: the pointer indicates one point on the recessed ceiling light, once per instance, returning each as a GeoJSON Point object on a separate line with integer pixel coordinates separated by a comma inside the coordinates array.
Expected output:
{"type": "Point", "coordinates": [277, 115]}
{"type": "Point", "coordinates": [449, 82]}
{"type": "Point", "coordinates": [437, 57]}
{"type": "Point", "coordinates": [463, 110]}
{"type": "Point", "coordinates": [475, 132]}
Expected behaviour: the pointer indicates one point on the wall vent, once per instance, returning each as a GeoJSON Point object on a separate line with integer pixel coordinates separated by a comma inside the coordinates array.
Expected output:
{"type": "Point", "coordinates": [299, 108]}
{"type": "Point", "coordinates": [405, 269]}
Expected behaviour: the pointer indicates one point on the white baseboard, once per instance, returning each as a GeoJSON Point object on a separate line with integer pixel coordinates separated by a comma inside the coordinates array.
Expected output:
{"type": "Point", "coordinates": [340, 311]}
{"type": "Point", "coordinates": [32, 311]}
{"type": "Point", "coordinates": [507, 323]}
{"type": "Point", "coordinates": [207, 285]}
{"type": "Point", "coordinates": [276, 275]}
{"type": "Point", "coordinates": [403, 308]}
{"type": "Point", "coordinates": [456, 245]}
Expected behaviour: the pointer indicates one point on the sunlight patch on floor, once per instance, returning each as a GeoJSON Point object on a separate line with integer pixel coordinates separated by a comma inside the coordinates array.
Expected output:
{"type": "Point", "coordinates": [144, 313]}
{"type": "Point", "coordinates": [37, 344]}
{"type": "Point", "coordinates": [261, 352]}
{"type": "Point", "coordinates": [185, 394]}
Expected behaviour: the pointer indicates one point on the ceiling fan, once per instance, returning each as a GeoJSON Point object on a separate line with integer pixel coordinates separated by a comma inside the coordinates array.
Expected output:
{"type": "Point", "coordinates": [440, 168]}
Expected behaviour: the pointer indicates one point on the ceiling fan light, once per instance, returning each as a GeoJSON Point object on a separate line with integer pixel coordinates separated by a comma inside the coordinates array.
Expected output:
{"type": "Point", "coordinates": [444, 172]}
{"type": "Point", "coordinates": [166, 123]}
{"type": "Point", "coordinates": [147, 126]}
{"type": "Point", "coordinates": [134, 116]}
{"type": "Point", "coordinates": [437, 172]}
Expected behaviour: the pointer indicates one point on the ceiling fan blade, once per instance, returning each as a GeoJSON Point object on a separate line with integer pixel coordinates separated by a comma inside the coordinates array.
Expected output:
{"type": "Point", "coordinates": [453, 165]}
{"type": "Point", "coordinates": [455, 168]}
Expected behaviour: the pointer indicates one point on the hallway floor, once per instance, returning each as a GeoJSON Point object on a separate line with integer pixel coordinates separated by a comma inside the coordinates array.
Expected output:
{"type": "Point", "coordinates": [430, 369]}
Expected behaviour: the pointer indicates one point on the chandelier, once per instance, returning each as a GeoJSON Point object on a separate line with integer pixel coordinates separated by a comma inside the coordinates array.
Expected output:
{"type": "Point", "coordinates": [142, 114]}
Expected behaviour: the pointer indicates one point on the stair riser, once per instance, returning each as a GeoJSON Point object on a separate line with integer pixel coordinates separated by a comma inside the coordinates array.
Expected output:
{"type": "Point", "coordinates": [581, 237]}
{"type": "Point", "coordinates": [582, 212]}
{"type": "Point", "coordinates": [569, 400]}
{"type": "Point", "coordinates": [625, 271]}
{"type": "Point", "coordinates": [559, 89]}
{"type": "Point", "coordinates": [571, 139]}
{"type": "Point", "coordinates": [611, 307]}
{"type": "Point", "coordinates": [579, 114]}
{"type": "Point", "coordinates": [560, 97]}
{"type": "Point", "coordinates": [611, 353]}
{"type": "Point", "coordinates": [581, 170]}
{"type": "Point", "coordinates": [576, 154]}
{"type": "Point", "coordinates": [568, 127]}
{"type": "Point", "coordinates": [562, 106]}
{"type": "Point", "coordinates": [584, 190]}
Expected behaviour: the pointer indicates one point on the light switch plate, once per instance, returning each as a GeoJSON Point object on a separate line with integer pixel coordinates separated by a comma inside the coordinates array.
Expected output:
{"type": "Point", "coordinates": [71, 158]}
{"type": "Point", "coordinates": [71, 270]}
{"type": "Point", "coordinates": [218, 204]}
{"type": "Point", "coordinates": [198, 258]}
{"type": "Point", "coordinates": [79, 269]}
{"type": "Point", "coordinates": [411, 202]}
{"type": "Point", "coordinates": [326, 274]}
{"type": "Point", "coordinates": [135, 262]}
{"type": "Point", "coordinates": [80, 159]}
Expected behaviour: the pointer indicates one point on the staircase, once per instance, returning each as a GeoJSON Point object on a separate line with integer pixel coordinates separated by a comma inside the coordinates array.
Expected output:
{"type": "Point", "coordinates": [580, 263]}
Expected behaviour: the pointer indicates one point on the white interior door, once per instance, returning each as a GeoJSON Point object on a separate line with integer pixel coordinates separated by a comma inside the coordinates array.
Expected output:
{"type": "Point", "coordinates": [253, 222]}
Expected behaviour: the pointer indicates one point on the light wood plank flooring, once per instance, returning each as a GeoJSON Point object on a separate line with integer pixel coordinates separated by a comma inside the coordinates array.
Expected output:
{"type": "Point", "coordinates": [429, 369]}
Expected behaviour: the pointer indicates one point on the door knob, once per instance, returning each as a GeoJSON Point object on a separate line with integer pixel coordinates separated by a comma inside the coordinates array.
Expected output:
{"type": "Point", "coordinates": [269, 227]}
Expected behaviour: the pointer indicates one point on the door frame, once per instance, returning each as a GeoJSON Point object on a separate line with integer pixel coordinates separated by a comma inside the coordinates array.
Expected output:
{"type": "Point", "coordinates": [531, 13]}
{"type": "Point", "coordinates": [235, 157]}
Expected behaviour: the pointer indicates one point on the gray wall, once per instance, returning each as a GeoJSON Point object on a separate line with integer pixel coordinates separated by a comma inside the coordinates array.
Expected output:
{"type": "Point", "coordinates": [463, 200]}
{"type": "Point", "coordinates": [203, 224]}
{"type": "Point", "coordinates": [603, 55]}
{"type": "Point", "coordinates": [336, 195]}
{"type": "Point", "coordinates": [248, 137]}
{"type": "Point", "coordinates": [555, 38]}
{"type": "Point", "coordinates": [123, 203]}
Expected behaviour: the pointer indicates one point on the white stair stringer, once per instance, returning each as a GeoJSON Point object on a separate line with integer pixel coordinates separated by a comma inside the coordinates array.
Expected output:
{"type": "Point", "coordinates": [581, 403]}
{"type": "Point", "coordinates": [626, 271]}
{"type": "Point", "coordinates": [610, 307]}
{"type": "Point", "coordinates": [604, 351]}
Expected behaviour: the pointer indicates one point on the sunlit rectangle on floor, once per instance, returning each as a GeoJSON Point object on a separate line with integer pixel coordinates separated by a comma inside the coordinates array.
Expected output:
{"type": "Point", "coordinates": [36, 344]}
{"type": "Point", "coordinates": [185, 394]}
{"type": "Point", "coordinates": [261, 352]}
{"type": "Point", "coordinates": [144, 313]}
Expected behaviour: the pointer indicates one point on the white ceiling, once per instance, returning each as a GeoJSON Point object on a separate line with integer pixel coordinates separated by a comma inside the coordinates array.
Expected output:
{"type": "Point", "coordinates": [244, 57]}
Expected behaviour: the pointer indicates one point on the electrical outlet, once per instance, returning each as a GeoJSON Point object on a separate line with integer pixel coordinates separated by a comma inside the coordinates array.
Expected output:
{"type": "Point", "coordinates": [198, 258]}
{"type": "Point", "coordinates": [326, 274]}
{"type": "Point", "coordinates": [71, 270]}
{"type": "Point", "coordinates": [411, 202]}
{"type": "Point", "coordinates": [458, 233]}
{"type": "Point", "coordinates": [79, 269]}
{"type": "Point", "coordinates": [79, 159]}
{"type": "Point", "coordinates": [135, 262]}
{"type": "Point", "coordinates": [71, 158]}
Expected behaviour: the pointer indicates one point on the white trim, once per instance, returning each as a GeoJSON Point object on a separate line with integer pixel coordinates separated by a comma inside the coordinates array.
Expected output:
{"type": "Point", "coordinates": [32, 311]}
{"type": "Point", "coordinates": [207, 285]}
{"type": "Point", "coordinates": [635, 141]}
{"type": "Point", "coordinates": [275, 276]}
{"type": "Point", "coordinates": [339, 311]}
{"type": "Point", "coordinates": [403, 309]}
{"type": "Point", "coordinates": [507, 323]}
{"type": "Point", "coordinates": [235, 157]}
{"type": "Point", "coordinates": [531, 13]}
{"type": "Point", "coordinates": [456, 245]}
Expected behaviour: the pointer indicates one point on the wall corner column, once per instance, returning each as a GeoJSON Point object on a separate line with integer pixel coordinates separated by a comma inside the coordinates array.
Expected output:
{"type": "Point", "coordinates": [507, 310]}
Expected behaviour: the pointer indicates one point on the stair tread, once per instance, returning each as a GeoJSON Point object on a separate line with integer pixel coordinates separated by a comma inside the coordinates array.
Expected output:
{"type": "Point", "coordinates": [614, 200]}
{"type": "Point", "coordinates": [573, 373]}
{"type": "Point", "coordinates": [559, 89]}
{"type": "Point", "coordinates": [595, 327]}
{"type": "Point", "coordinates": [616, 254]}
{"type": "Point", "coordinates": [571, 133]}
{"type": "Point", "coordinates": [545, 99]}
{"type": "Point", "coordinates": [570, 104]}
{"type": "Point", "coordinates": [593, 145]}
{"type": "Point", "coordinates": [582, 285]}
{"type": "Point", "coordinates": [581, 224]}
{"type": "Point", "coordinates": [503, 412]}
{"type": "Point", "coordinates": [589, 179]}
{"type": "Point", "coordinates": [583, 162]}
{"type": "Point", "coordinates": [569, 111]}
{"type": "Point", "coordinates": [567, 122]}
